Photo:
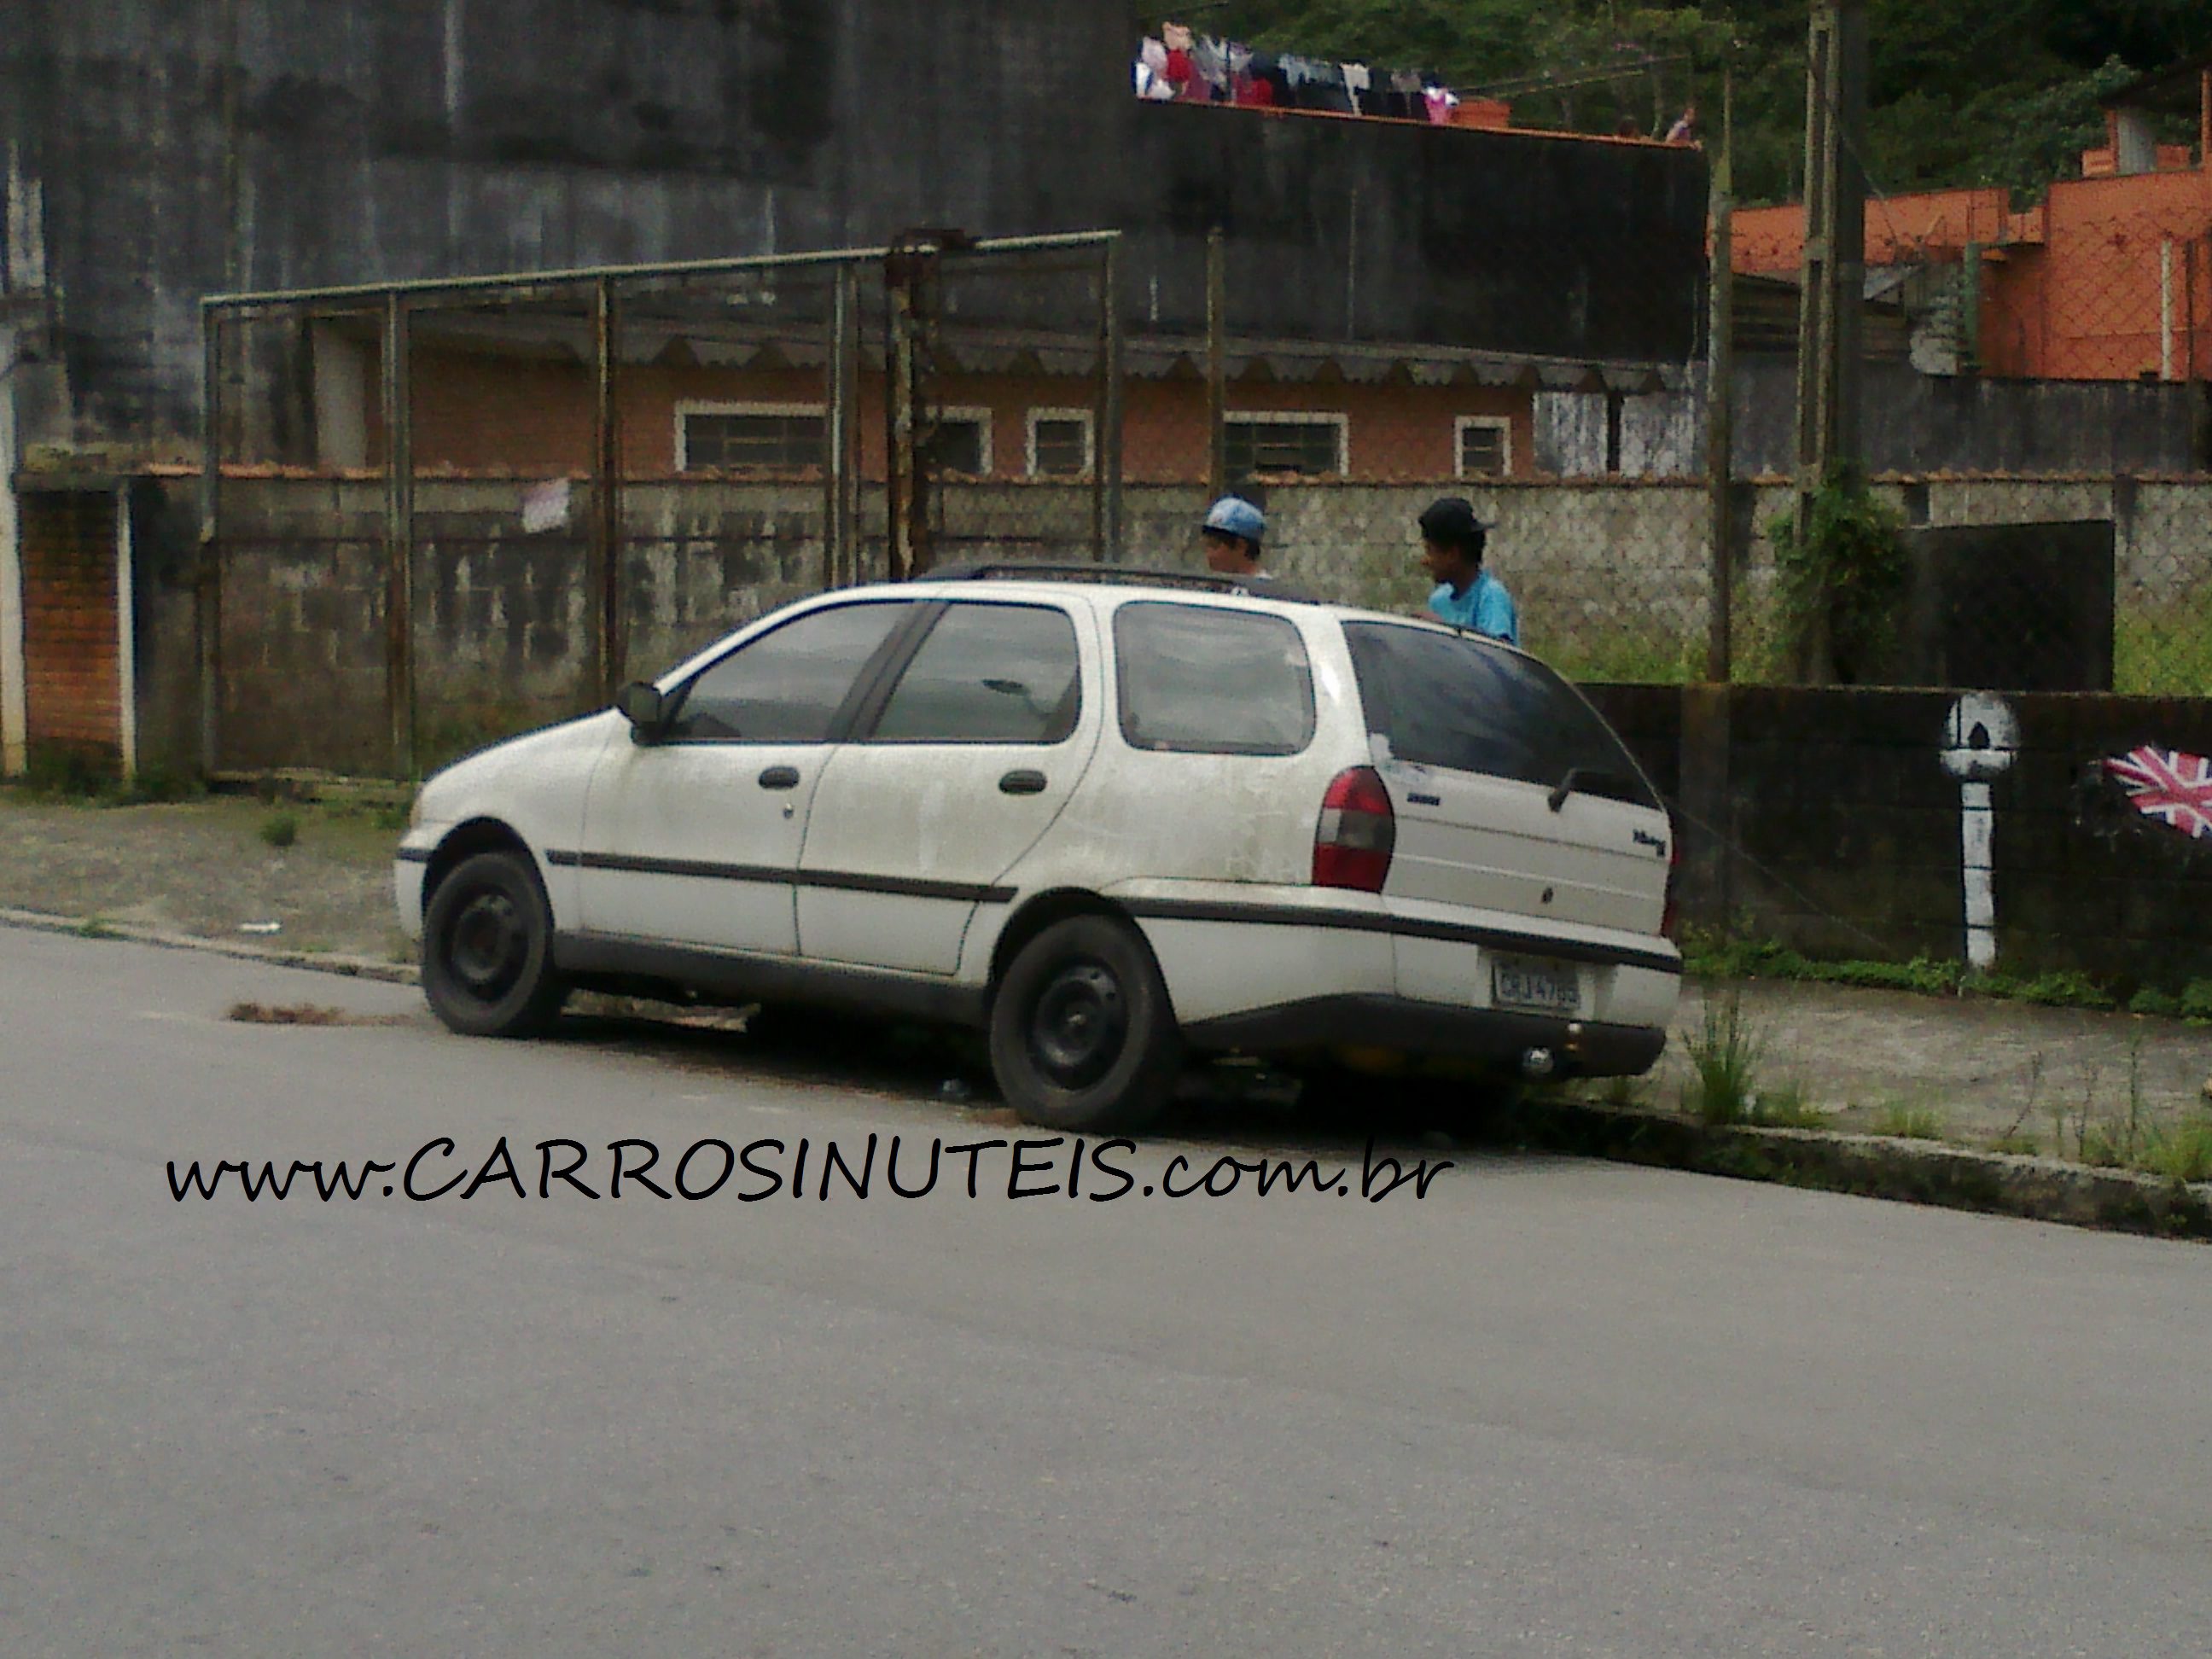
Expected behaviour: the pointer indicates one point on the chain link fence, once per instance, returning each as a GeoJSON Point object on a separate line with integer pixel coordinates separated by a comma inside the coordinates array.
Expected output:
{"type": "Point", "coordinates": [446, 511]}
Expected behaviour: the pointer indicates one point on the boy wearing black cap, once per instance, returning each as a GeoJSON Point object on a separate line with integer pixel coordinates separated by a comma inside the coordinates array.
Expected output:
{"type": "Point", "coordinates": [1467, 595]}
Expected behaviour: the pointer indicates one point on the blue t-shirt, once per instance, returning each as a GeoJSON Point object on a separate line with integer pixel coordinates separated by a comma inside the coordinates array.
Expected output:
{"type": "Point", "coordinates": [1485, 606]}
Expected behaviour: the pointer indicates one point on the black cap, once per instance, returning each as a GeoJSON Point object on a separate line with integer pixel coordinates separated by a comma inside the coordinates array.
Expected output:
{"type": "Point", "coordinates": [1451, 522]}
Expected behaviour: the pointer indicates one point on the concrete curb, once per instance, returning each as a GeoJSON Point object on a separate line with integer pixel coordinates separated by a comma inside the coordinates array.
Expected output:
{"type": "Point", "coordinates": [1878, 1166]}
{"type": "Point", "coordinates": [320, 961]}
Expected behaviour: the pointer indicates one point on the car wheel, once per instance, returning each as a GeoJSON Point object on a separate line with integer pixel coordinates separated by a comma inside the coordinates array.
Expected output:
{"type": "Point", "coordinates": [488, 950]}
{"type": "Point", "coordinates": [1082, 1037]}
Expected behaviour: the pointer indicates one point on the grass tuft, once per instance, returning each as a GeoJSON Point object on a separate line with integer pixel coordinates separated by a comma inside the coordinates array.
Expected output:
{"type": "Point", "coordinates": [1902, 1122]}
{"type": "Point", "coordinates": [1724, 1059]}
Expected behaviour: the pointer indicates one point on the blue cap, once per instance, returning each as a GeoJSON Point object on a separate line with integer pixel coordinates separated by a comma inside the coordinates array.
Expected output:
{"type": "Point", "coordinates": [1233, 515]}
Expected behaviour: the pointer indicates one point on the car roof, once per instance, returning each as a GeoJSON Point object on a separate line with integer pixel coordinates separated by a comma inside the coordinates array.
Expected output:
{"type": "Point", "coordinates": [1034, 580]}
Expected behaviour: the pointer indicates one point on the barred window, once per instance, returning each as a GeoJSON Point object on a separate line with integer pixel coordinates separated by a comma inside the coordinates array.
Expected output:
{"type": "Point", "coordinates": [1312, 445]}
{"type": "Point", "coordinates": [1059, 443]}
{"type": "Point", "coordinates": [1485, 445]}
{"type": "Point", "coordinates": [761, 438]}
{"type": "Point", "coordinates": [963, 442]}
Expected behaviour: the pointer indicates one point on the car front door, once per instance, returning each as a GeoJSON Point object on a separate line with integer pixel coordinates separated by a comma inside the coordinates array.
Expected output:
{"type": "Point", "coordinates": [953, 772]}
{"type": "Point", "coordinates": [694, 839]}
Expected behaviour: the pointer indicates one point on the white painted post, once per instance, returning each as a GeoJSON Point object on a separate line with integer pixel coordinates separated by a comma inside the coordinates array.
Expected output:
{"type": "Point", "coordinates": [1980, 741]}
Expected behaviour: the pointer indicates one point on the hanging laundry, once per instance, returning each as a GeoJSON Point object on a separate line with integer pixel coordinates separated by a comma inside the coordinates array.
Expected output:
{"type": "Point", "coordinates": [1180, 75]}
{"type": "Point", "coordinates": [1441, 103]}
{"type": "Point", "coordinates": [1178, 37]}
{"type": "Point", "coordinates": [1357, 84]}
{"type": "Point", "coordinates": [1210, 58]}
{"type": "Point", "coordinates": [1151, 86]}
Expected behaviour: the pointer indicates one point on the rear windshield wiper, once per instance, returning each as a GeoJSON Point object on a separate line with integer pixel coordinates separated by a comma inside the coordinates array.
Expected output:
{"type": "Point", "coordinates": [1580, 777]}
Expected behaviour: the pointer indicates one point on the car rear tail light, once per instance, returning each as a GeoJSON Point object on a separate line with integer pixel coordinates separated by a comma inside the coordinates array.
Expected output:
{"type": "Point", "coordinates": [1357, 833]}
{"type": "Point", "coordinates": [1670, 919]}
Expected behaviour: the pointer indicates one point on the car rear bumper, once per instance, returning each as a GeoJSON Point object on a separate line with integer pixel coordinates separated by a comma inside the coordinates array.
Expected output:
{"type": "Point", "coordinates": [1484, 1036]}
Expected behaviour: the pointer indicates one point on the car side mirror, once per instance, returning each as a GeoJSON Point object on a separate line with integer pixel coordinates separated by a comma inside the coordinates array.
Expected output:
{"type": "Point", "coordinates": [642, 705]}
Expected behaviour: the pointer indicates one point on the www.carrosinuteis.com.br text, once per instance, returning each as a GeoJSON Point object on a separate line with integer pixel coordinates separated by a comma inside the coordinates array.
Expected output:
{"type": "Point", "coordinates": [894, 1167]}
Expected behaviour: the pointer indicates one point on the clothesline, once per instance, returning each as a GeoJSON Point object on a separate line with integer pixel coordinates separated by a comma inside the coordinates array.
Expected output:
{"type": "Point", "coordinates": [1179, 66]}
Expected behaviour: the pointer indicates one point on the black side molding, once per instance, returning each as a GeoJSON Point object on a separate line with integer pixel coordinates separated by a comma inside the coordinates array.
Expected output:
{"type": "Point", "coordinates": [730, 976]}
{"type": "Point", "coordinates": [1369, 921]}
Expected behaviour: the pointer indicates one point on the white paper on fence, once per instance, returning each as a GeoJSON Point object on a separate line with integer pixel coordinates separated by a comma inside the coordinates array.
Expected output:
{"type": "Point", "coordinates": [545, 506]}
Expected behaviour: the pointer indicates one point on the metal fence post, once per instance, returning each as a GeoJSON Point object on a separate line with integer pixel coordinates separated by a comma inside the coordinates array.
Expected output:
{"type": "Point", "coordinates": [1216, 364]}
{"type": "Point", "coordinates": [1106, 481]}
{"type": "Point", "coordinates": [604, 563]}
{"type": "Point", "coordinates": [207, 591]}
{"type": "Point", "coordinates": [841, 552]}
{"type": "Point", "coordinates": [399, 536]}
{"type": "Point", "coordinates": [1720, 415]}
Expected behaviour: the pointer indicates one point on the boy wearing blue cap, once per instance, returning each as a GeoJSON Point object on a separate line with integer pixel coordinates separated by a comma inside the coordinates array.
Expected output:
{"type": "Point", "coordinates": [1467, 595]}
{"type": "Point", "coordinates": [1231, 535]}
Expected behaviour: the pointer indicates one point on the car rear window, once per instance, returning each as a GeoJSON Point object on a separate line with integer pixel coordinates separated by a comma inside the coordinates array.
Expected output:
{"type": "Point", "coordinates": [1445, 700]}
{"type": "Point", "coordinates": [1207, 680]}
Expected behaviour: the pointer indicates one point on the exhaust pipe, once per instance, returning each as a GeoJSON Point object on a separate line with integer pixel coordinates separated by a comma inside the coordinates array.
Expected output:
{"type": "Point", "coordinates": [1538, 1063]}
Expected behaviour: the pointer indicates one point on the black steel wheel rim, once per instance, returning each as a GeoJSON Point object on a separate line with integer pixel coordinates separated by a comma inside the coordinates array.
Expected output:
{"type": "Point", "coordinates": [487, 946]}
{"type": "Point", "coordinates": [1078, 1026]}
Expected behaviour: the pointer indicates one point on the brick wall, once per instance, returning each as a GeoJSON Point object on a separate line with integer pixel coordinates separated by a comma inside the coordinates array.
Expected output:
{"type": "Point", "coordinates": [72, 683]}
{"type": "Point", "coordinates": [476, 413]}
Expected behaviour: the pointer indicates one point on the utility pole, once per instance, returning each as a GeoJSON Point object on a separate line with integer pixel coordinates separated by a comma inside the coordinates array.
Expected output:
{"type": "Point", "coordinates": [1720, 376]}
{"type": "Point", "coordinates": [1834, 277]}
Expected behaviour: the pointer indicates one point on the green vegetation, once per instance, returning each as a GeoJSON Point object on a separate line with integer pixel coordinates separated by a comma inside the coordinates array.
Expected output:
{"type": "Point", "coordinates": [1709, 957]}
{"type": "Point", "coordinates": [77, 776]}
{"type": "Point", "coordinates": [1725, 1055]}
{"type": "Point", "coordinates": [280, 830]}
{"type": "Point", "coordinates": [2003, 93]}
{"type": "Point", "coordinates": [1840, 584]}
{"type": "Point", "coordinates": [1904, 1122]}
{"type": "Point", "coordinates": [2163, 653]}
{"type": "Point", "coordinates": [1785, 1106]}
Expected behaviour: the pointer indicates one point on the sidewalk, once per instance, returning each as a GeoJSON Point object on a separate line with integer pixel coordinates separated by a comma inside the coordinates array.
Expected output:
{"type": "Point", "coordinates": [2062, 1082]}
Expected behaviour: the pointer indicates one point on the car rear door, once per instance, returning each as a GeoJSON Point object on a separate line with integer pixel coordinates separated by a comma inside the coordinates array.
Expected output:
{"type": "Point", "coordinates": [1516, 806]}
{"type": "Point", "coordinates": [961, 764]}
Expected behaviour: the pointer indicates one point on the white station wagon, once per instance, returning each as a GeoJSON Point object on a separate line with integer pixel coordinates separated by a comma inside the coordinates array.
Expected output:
{"type": "Point", "coordinates": [1111, 817]}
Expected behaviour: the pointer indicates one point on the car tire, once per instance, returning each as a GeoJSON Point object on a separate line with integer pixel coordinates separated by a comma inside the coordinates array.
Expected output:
{"type": "Point", "coordinates": [488, 950]}
{"type": "Point", "coordinates": [1082, 1037]}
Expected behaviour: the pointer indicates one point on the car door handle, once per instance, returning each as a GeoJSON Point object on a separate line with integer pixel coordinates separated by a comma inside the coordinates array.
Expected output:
{"type": "Point", "coordinates": [779, 777]}
{"type": "Point", "coordinates": [1022, 783]}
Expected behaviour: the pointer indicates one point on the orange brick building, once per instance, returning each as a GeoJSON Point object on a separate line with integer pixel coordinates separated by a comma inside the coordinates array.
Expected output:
{"type": "Point", "coordinates": [1378, 416]}
{"type": "Point", "coordinates": [2110, 278]}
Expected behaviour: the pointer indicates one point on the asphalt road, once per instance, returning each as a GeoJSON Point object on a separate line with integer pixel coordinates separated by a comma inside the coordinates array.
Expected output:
{"type": "Point", "coordinates": [1552, 1407]}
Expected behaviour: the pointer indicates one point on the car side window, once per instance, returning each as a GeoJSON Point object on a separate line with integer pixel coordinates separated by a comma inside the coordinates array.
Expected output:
{"type": "Point", "coordinates": [1467, 705]}
{"type": "Point", "coordinates": [1207, 680]}
{"type": "Point", "coordinates": [786, 686]}
{"type": "Point", "coordinates": [989, 673]}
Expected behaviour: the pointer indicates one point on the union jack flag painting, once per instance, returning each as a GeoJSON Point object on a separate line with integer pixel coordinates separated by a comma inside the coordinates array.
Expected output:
{"type": "Point", "coordinates": [2174, 788]}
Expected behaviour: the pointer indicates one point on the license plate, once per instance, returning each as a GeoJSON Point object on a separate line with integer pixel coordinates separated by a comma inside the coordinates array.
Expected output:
{"type": "Point", "coordinates": [1550, 988]}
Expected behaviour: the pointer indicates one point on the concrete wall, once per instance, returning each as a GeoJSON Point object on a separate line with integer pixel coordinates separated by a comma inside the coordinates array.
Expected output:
{"type": "Point", "coordinates": [1826, 820]}
{"type": "Point", "coordinates": [156, 150]}
{"type": "Point", "coordinates": [1612, 579]}
{"type": "Point", "coordinates": [1913, 423]}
